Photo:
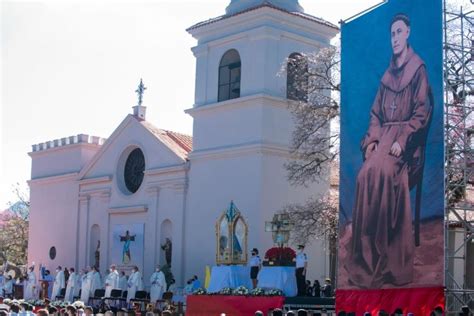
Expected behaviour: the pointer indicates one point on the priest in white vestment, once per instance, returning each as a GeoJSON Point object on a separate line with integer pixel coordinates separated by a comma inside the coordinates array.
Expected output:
{"type": "Point", "coordinates": [96, 281]}
{"type": "Point", "coordinates": [31, 286]}
{"type": "Point", "coordinates": [158, 285]}
{"type": "Point", "coordinates": [112, 281]}
{"type": "Point", "coordinates": [59, 283]}
{"type": "Point", "coordinates": [86, 285]}
{"type": "Point", "coordinates": [123, 281]}
{"type": "Point", "coordinates": [8, 286]}
{"type": "Point", "coordinates": [134, 283]}
{"type": "Point", "coordinates": [72, 285]}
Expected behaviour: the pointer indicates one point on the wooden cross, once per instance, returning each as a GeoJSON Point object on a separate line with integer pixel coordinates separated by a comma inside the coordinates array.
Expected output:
{"type": "Point", "coordinates": [140, 91]}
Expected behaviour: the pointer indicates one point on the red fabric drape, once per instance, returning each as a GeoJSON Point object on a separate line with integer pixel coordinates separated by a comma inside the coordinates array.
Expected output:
{"type": "Point", "coordinates": [419, 301]}
{"type": "Point", "coordinates": [207, 305]}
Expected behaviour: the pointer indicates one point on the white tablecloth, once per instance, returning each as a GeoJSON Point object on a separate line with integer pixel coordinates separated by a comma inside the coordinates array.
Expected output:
{"type": "Point", "coordinates": [282, 278]}
{"type": "Point", "coordinates": [229, 276]}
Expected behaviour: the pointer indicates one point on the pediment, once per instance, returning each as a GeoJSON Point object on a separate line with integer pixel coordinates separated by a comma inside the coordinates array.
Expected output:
{"type": "Point", "coordinates": [161, 148]}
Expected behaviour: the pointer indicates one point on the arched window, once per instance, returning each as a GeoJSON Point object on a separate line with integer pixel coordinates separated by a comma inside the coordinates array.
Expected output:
{"type": "Point", "coordinates": [297, 78]}
{"type": "Point", "coordinates": [229, 76]}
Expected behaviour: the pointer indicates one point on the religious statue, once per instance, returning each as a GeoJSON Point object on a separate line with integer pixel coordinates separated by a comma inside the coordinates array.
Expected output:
{"type": "Point", "coordinates": [231, 231]}
{"type": "Point", "coordinates": [97, 255]}
{"type": "Point", "coordinates": [127, 239]}
{"type": "Point", "coordinates": [167, 248]}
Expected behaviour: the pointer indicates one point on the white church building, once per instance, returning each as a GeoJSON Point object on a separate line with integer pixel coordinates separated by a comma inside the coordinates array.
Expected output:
{"type": "Point", "coordinates": [157, 184]}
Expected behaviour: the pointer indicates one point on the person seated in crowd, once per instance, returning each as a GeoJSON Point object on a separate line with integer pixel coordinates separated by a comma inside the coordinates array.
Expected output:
{"type": "Point", "coordinates": [42, 312]}
{"type": "Point", "coordinates": [258, 313]}
{"type": "Point", "coordinates": [277, 312]}
{"type": "Point", "coordinates": [88, 311]}
{"type": "Point", "coordinates": [302, 312]}
{"type": "Point", "coordinates": [309, 288]}
{"type": "Point", "coordinates": [398, 312]}
{"type": "Point", "coordinates": [316, 288]}
{"type": "Point", "coordinates": [438, 311]}
{"type": "Point", "coordinates": [327, 288]}
{"type": "Point", "coordinates": [465, 311]}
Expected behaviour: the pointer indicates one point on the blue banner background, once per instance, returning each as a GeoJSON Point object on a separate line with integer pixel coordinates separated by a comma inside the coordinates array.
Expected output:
{"type": "Point", "coordinates": [366, 52]}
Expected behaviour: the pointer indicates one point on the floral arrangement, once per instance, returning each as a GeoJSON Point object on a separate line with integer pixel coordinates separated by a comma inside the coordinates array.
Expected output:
{"type": "Point", "coordinates": [225, 291]}
{"type": "Point", "coordinates": [200, 291]}
{"type": "Point", "coordinates": [280, 256]}
{"type": "Point", "coordinates": [257, 292]}
{"type": "Point", "coordinates": [241, 290]}
{"type": "Point", "coordinates": [274, 292]}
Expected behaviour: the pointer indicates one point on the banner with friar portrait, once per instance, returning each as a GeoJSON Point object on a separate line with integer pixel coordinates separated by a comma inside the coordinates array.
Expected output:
{"type": "Point", "coordinates": [391, 233]}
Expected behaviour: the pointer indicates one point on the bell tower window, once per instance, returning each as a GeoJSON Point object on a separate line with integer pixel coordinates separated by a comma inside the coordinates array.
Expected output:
{"type": "Point", "coordinates": [297, 78]}
{"type": "Point", "coordinates": [229, 76]}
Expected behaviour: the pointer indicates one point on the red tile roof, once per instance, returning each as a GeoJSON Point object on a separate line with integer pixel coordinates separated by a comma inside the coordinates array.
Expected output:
{"type": "Point", "coordinates": [179, 143]}
{"type": "Point", "coordinates": [185, 141]}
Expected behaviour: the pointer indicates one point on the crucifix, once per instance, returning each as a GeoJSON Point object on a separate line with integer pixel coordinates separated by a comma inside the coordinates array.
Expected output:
{"type": "Point", "coordinates": [393, 107]}
{"type": "Point", "coordinates": [140, 91]}
{"type": "Point", "coordinates": [280, 226]}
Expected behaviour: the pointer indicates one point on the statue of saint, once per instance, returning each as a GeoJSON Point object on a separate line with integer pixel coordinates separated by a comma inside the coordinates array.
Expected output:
{"type": "Point", "coordinates": [97, 255]}
{"type": "Point", "coordinates": [167, 248]}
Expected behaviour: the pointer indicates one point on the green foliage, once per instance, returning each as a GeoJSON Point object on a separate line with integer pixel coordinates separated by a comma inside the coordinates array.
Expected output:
{"type": "Point", "coordinates": [169, 277]}
{"type": "Point", "coordinates": [14, 239]}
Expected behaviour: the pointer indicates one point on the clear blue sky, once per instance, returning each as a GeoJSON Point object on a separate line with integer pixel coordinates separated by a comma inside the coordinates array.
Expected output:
{"type": "Point", "coordinates": [71, 67]}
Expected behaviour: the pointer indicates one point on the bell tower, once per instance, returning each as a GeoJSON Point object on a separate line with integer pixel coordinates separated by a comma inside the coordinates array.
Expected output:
{"type": "Point", "coordinates": [242, 125]}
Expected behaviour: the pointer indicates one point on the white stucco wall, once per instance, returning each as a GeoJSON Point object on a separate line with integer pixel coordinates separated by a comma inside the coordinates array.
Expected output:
{"type": "Point", "coordinates": [239, 149]}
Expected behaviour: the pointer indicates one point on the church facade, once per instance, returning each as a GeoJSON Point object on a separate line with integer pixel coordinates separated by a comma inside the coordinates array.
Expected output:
{"type": "Point", "coordinates": [144, 187]}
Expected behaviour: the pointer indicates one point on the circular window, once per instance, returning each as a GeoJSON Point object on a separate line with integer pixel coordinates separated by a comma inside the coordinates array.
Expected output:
{"type": "Point", "coordinates": [52, 253]}
{"type": "Point", "coordinates": [134, 170]}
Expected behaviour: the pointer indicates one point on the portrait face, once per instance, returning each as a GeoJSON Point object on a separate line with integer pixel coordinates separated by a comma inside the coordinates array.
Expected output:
{"type": "Point", "coordinates": [399, 33]}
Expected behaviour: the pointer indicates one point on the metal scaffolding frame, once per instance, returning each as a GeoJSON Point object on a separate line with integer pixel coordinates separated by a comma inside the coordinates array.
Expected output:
{"type": "Point", "coordinates": [459, 101]}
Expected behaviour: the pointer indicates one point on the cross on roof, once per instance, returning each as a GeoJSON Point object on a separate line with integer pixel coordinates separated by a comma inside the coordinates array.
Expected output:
{"type": "Point", "coordinates": [140, 91]}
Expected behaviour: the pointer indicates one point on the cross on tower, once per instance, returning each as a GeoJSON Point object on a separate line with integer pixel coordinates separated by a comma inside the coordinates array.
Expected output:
{"type": "Point", "coordinates": [140, 91]}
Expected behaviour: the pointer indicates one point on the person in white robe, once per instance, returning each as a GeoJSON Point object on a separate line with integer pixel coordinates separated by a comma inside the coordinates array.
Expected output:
{"type": "Point", "coordinates": [158, 285]}
{"type": "Point", "coordinates": [123, 281]}
{"type": "Point", "coordinates": [77, 289]}
{"type": "Point", "coordinates": [96, 281]}
{"type": "Point", "coordinates": [8, 286]}
{"type": "Point", "coordinates": [31, 286]}
{"type": "Point", "coordinates": [2, 281]}
{"type": "Point", "coordinates": [112, 280]}
{"type": "Point", "coordinates": [72, 285]}
{"type": "Point", "coordinates": [86, 285]}
{"type": "Point", "coordinates": [59, 283]}
{"type": "Point", "coordinates": [134, 283]}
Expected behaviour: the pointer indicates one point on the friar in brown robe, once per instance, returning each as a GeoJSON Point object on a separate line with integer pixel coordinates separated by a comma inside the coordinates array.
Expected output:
{"type": "Point", "coordinates": [382, 246]}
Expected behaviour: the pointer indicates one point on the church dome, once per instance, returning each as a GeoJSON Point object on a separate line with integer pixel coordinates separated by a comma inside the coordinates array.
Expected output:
{"type": "Point", "coordinates": [237, 6]}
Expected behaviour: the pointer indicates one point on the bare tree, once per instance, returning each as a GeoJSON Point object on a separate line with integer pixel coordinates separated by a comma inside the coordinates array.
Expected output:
{"type": "Point", "coordinates": [314, 144]}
